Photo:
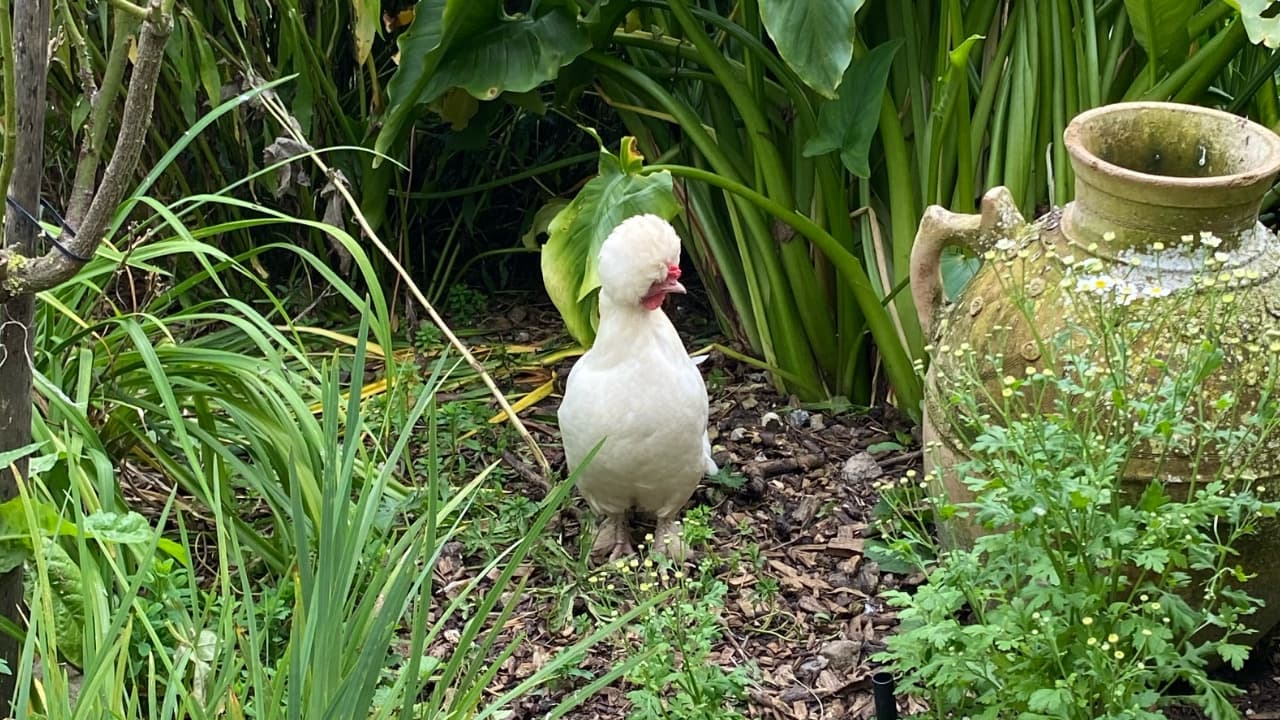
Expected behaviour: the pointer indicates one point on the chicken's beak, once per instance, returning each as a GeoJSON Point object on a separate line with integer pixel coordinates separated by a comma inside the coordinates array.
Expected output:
{"type": "Point", "coordinates": [670, 285]}
{"type": "Point", "coordinates": [659, 290]}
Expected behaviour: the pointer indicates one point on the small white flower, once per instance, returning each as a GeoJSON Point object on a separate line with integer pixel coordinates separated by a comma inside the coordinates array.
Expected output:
{"type": "Point", "coordinates": [1157, 291]}
{"type": "Point", "coordinates": [1208, 239]}
{"type": "Point", "coordinates": [1005, 244]}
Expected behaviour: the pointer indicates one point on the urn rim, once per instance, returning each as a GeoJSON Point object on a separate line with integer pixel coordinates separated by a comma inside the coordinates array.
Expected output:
{"type": "Point", "coordinates": [1087, 129]}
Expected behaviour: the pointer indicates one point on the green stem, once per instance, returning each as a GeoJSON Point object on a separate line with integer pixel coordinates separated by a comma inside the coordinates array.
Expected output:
{"type": "Point", "coordinates": [757, 125]}
{"type": "Point", "coordinates": [801, 278]}
{"type": "Point", "coordinates": [1093, 81]}
{"type": "Point", "coordinates": [137, 11]}
{"type": "Point", "coordinates": [1111, 63]}
{"type": "Point", "coordinates": [994, 78]}
{"type": "Point", "coordinates": [897, 363]}
{"type": "Point", "coordinates": [685, 51]}
{"type": "Point", "coordinates": [1262, 76]}
{"type": "Point", "coordinates": [793, 352]}
{"type": "Point", "coordinates": [1218, 53]}
{"type": "Point", "coordinates": [904, 214]}
{"type": "Point", "coordinates": [999, 128]}
{"type": "Point", "coordinates": [1207, 18]}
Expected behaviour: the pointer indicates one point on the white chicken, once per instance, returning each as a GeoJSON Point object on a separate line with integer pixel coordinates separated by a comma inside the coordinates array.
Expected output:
{"type": "Point", "coordinates": [639, 391]}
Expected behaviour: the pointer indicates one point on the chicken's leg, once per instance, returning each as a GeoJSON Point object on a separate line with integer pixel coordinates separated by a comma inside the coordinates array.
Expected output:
{"type": "Point", "coordinates": [669, 539]}
{"type": "Point", "coordinates": [613, 539]}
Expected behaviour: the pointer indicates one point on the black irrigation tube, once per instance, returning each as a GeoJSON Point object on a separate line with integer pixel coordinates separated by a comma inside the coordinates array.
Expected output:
{"type": "Point", "coordinates": [882, 692]}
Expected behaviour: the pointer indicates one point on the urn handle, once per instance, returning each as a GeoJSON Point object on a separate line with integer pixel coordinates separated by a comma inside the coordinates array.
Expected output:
{"type": "Point", "coordinates": [940, 229]}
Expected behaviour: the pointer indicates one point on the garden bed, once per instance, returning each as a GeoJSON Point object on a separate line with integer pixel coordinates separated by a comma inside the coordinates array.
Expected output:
{"type": "Point", "coordinates": [789, 522]}
{"type": "Point", "coordinates": [803, 509]}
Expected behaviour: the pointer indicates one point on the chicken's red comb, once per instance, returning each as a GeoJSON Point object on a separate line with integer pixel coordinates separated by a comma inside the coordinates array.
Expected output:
{"type": "Point", "coordinates": [673, 271]}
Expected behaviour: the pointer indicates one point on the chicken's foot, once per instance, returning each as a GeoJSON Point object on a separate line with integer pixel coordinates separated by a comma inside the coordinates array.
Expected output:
{"type": "Point", "coordinates": [669, 540]}
{"type": "Point", "coordinates": [613, 540]}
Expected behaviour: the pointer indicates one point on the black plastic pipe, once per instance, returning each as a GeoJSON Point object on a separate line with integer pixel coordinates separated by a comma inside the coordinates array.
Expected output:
{"type": "Point", "coordinates": [882, 692]}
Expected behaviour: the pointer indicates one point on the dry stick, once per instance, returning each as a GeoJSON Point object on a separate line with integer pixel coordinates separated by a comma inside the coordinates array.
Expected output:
{"type": "Point", "coordinates": [282, 115]}
{"type": "Point", "coordinates": [882, 267]}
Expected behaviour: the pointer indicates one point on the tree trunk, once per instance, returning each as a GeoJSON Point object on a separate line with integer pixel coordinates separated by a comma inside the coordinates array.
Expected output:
{"type": "Point", "coordinates": [31, 51]}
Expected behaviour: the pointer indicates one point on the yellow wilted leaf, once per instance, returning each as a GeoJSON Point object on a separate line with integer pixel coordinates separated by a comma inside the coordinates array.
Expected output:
{"type": "Point", "coordinates": [364, 24]}
{"type": "Point", "coordinates": [458, 107]}
{"type": "Point", "coordinates": [532, 398]}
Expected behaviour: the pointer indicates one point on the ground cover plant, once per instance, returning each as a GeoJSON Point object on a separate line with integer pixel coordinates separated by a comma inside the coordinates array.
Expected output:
{"type": "Point", "coordinates": [1094, 595]}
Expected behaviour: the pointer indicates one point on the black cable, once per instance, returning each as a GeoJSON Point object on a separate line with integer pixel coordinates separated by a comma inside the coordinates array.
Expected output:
{"type": "Point", "coordinates": [67, 230]}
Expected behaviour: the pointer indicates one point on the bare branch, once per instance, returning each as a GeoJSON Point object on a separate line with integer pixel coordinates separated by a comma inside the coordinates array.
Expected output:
{"type": "Point", "coordinates": [103, 101]}
{"type": "Point", "coordinates": [22, 275]}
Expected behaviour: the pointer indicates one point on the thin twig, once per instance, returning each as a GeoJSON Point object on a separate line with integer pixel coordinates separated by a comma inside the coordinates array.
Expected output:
{"type": "Point", "coordinates": [10, 118]}
{"type": "Point", "coordinates": [102, 99]}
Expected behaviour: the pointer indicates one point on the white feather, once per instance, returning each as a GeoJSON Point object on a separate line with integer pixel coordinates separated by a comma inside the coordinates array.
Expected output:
{"type": "Point", "coordinates": [636, 388]}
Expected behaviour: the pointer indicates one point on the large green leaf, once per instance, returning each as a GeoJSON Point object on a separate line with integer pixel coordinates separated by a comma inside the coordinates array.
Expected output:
{"type": "Point", "coordinates": [569, 259]}
{"type": "Point", "coordinates": [437, 24]}
{"type": "Point", "coordinates": [1261, 21]}
{"type": "Point", "coordinates": [516, 55]}
{"type": "Point", "coordinates": [1160, 27]}
{"type": "Point", "coordinates": [476, 46]}
{"type": "Point", "coordinates": [849, 122]}
{"type": "Point", "coordinates": [127, 528]}
{"type": "Point", "coordinates": [815, 37]}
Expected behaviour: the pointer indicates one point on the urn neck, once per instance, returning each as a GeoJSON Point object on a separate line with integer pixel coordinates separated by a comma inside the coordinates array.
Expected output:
{"type": "Point", "coordinates": [1151, 172]}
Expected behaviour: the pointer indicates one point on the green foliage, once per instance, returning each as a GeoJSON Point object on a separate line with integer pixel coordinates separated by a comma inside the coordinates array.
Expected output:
{"type": "Point", "coordinates": [815, 38]}
{"type": "Point", "coordinates": [571, 255]}
{"type": "Point", "coordinates": [464, 305]}
{"type": "Point", "coordinates": [218, 51]}
{"type": "Point", "coordinates": [767, 208]}
{"type": "Point", "coordinates": [474, 45]}
{"type": "Point", "coordinates": [848, 124]}
{"type": "Point", "coordinates": [1160, 27]}
{"type": "Point", "coordinates": [675, 676]}
{"type": "Point", "coordinates": [1084, 598]}
{"type": "Point", "coordinates": [678, 679]}
{"type": "Point", "coordinates": [344, 632]}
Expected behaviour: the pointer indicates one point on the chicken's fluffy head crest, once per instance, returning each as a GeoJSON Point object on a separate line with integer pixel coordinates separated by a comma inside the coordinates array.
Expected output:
{"type": "Point", "coordinates": [640, 262]}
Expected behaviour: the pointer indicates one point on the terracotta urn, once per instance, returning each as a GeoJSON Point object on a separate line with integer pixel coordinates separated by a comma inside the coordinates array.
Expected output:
{"type": "Point", "coordinates": [1161, 191]}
